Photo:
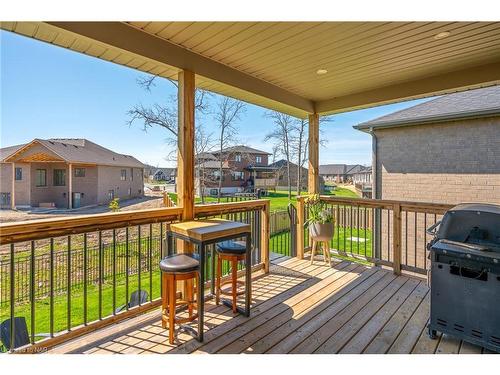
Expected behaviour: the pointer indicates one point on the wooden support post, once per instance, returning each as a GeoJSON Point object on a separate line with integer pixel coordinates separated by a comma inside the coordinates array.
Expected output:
{"type": "Point", "coordinates": [185, 144]}
{"type": "Point", "coordinates": [313, 171]}
{"type": "Point", "coordinates": [70, 185]}
{"type": "Point", "coordinates": [300, 227]}
{"type": "Point", "coordinates": [185, 154]}
{"type": "Point", "coordinates": [396, 237]}
{"type": "Point", "coordinates": [13, 192]}
{"type": "Point", "coordinates": [264, 235]}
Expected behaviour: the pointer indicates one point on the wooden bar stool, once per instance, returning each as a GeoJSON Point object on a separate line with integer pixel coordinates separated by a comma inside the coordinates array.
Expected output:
{"type": "Point", "coordinates": [232, 252]}
{"type": "Point", "coordinates": [175, 268]}
{"type": "Point", "coordinates": [326, 251]}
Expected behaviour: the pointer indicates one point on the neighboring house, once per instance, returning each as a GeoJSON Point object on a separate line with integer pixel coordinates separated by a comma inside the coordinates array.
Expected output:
{"type": "Point", "coordinates": [282, 175]}
{"type": "Point", "coordinates": [362, 180]}
{"type": "Point", "coordinates": [66, 173]}
{"type": "Point", "coordinates": [339, 173]}
{"type": "Point", "coordinates": [160, 174]}
{"type": "Point", "coordinates": [243, 169]}
{"type": "Point", "coordinates": [443, 150]}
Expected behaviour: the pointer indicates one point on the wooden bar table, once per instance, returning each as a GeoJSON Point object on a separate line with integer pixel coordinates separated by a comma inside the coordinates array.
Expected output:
{"type": "Point", "coordinates": [206, 232]}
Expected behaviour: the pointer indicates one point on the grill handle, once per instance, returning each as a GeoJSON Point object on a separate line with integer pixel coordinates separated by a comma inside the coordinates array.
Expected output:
{"type": "Point", "coordinates": [432, 230]}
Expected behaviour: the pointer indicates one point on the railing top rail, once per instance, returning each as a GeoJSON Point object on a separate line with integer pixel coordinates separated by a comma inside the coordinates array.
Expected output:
{"type": "Point", "coordinates": [54, 227]}
{"type": "Point", "coordinates": [425, 207]}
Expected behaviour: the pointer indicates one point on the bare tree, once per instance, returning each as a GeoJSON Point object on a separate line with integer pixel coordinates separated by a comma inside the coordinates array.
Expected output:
{"type": "Point", "coordinates": [228, 113]}
{"type": "Point", "coordinates": [282, 136]}
{"type": "Point", "coordinates": [165, 115]}
{"type": "Point", "coordinates": [204, 143]}
{"type": "Point", "coordinates": [300, 144]}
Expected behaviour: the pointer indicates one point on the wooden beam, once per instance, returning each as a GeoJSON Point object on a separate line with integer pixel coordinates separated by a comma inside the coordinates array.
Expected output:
{"type": "Point", "coordinates": [126, 37]}
{"type": "Point", "coordinates": [313, 171]}
{"type": "Point", "coordinates": [265, 233]}
{"type": "Point", "coordinates": [13, 192]}
{"type": "Point", "coordinates": [396, 237]}
{"type": "Point", "coordinates": [185, 144]}
{"type": "Point", "coordinates": [70, 185]}
{"type": "Point", "coordinates": [449, 82]}
{"type": "Point", "coordinates": [300, 227]}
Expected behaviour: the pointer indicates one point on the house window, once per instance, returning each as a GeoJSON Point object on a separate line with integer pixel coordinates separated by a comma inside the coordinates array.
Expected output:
{"type": "Point", "coordinates": [59, 177]}
{"type": "Point", "coordinates": [79, 172]}
{"type": "Point", "coordinates": [238, 175]}
{"type": "Point", "coordinates": [123, 174]}
{"type": "Point", "coordinates": [237, 158]}
{"type": "Point", "coordinates": [258, 159]}
{"type": "Point", "coordinates": [41, 177]}
{"type": "Point", "coordinates": [111, 195]}
{"type": "Point", "coordinates": [4, 199]}
{"type": "Point", "coordinates": [129, 191]}
{"type": "Point", "coordinates": [216, 176]}
{"type": "Point", "coordinates": [131, 174]}
{"type": "Point", "coordinates": [19, 174]}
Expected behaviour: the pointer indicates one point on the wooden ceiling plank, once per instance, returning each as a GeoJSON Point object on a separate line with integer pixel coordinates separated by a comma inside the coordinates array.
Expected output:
{"type": "Point", "coordinates": [137, 42]}
{"type": "Point", "coordinates": [396, 64]}
{"type": "Point", "coordinates": [332, 61]}
{"type": "Point", "coordinates": [439, 84]}
{"type": "Point", "coordinates": [387, 55]}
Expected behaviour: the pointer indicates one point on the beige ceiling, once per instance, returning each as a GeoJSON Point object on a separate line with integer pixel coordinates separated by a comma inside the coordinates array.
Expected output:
{"type": "Point", "coordinates": [274, 64]}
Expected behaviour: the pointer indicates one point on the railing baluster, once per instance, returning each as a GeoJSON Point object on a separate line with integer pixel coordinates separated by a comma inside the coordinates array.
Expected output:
{"type": "Point", "coordinates": [150, 263]}
{"type": "Point", "coordinates": [114, 271]}
{"type": "Point", "coordinates": [51, 287]}
{"type": "Point", "coordinates": [139, 247]}
{"type": "Point", "coordinates": [127, 266]}
{"type": "Point", "coordinates": [85, 276]}
{"type": "Point", "coordinates": [32, 292]}
{"type": "Point", "coordinates": [12, 298]}
{"type": "Point", "coordinates": [68, 282]}
{"type": "Point", "coordinates": [100, 273]}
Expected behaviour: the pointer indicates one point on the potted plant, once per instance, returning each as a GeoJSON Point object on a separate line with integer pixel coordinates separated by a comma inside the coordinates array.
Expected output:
{"type": "Point", "coordinates": [320, 221]}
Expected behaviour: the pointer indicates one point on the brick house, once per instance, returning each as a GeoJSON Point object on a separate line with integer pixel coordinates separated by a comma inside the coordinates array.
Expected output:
{"type": "Point", "coordinates": [244, 169]}
{"type": "Point", "coordinates": [66, 173]}
{"type": "Point", "coordinates": [444, 150]}
{"type": "Point", "coordinates": [339, 173]}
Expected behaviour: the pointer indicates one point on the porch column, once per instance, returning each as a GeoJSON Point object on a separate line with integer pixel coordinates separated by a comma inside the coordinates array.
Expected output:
{"type": "Point", "coordinates": [13, 188]}
{"type": "Point", "coordinates": [185, 144]}
{"type": "Point", "coordinates": [313, 171]}
{"type": "Point", "coordinates": [70, 186]}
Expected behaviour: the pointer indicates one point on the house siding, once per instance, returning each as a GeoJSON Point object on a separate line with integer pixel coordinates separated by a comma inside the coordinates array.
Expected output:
{"type": "Point", "coordinates": [109, 179]}
{"type": "Point", "coordinates": [22, 187]}
{"type": "Point", "coordinates": [450, 163]}
{"type": "Point", "coordinates": [49, 193]}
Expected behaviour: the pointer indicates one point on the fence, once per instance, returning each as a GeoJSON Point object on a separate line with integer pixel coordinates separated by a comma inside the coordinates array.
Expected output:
{"type": "Point", "coordinates": [391, 233]}
{"type": "Point", "coordinates": [77, 273]}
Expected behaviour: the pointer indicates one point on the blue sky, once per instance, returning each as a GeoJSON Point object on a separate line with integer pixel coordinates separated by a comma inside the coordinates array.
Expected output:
{"type": "Point", "coordinates": [50, 92]}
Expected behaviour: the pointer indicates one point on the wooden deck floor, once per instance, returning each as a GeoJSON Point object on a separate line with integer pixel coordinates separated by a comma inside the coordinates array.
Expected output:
{"type": "Point", "coordinates": [298, 308]}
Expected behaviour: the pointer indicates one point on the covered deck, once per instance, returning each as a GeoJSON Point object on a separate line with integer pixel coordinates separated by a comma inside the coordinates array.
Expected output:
{"type": "Point", "coordinates": [297, 308]}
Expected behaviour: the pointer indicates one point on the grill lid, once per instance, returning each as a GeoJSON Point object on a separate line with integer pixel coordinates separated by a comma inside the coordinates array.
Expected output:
{"type": "Point", "coordinates": [474, 224]}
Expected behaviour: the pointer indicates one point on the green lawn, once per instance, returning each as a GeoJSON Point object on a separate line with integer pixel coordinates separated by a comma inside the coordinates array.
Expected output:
{"type": "Point", "coordinates": [279, 199]}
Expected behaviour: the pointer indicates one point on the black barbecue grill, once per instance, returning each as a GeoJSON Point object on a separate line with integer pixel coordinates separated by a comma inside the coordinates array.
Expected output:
{"type": "Point", "coordinates": [465, 275]}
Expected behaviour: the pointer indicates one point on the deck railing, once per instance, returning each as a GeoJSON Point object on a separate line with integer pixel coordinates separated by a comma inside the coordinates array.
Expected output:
{"type": "Point", "coordinates": [387, 232]}
{"type": "Point", "coordinates": [78, 273]}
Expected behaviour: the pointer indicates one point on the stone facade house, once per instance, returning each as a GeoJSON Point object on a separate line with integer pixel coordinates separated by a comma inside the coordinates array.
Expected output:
{"type": "Point", "coordinates": [66, 173]}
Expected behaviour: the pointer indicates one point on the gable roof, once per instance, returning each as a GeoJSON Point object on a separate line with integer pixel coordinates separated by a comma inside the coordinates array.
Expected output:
{"type": "Point", "coordinates": [242, 149]}
{"type": "Point", "coordinates": [283, 163]}
{"type": "Point", "coordinates": [468, 104]}
{"type": "Point", "coordinates": [77, 150]}
{"type": "Point", "coordinates": [339, 169]}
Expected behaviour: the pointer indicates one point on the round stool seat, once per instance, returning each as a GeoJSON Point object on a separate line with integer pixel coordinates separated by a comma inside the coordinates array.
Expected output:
{"type": "Point", "coordinates": [231, 247]}
{"type": "Point", "coordinates": [180, 263]}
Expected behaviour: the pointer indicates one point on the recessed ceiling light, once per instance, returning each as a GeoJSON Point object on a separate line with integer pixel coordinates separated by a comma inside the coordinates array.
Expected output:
{"type": "Point", "coordinates": [320, 72]}
{"type": "Point", "coordinates": [442, 35]}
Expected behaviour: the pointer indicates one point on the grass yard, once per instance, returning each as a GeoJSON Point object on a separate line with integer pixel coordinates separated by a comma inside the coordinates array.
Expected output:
{"type": "Point", "coordinates": [279, 199]}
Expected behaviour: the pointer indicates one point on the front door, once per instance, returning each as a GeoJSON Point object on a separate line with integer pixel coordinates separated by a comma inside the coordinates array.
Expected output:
{"type": "Point", "coordinates": [77, 200]}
